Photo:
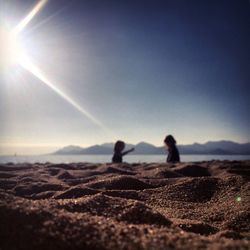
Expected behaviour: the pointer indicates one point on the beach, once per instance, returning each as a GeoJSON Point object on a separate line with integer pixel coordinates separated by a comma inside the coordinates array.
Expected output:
{"type": "Point", "coordinates": [201, 205]}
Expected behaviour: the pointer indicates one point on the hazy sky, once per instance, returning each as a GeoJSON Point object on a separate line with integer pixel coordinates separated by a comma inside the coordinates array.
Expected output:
{"type": "Point", "coordinates": [142, 68]}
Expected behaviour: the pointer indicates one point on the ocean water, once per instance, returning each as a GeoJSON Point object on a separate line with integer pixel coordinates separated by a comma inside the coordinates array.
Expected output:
{"type": "Point", "coordinates": [107, 158]}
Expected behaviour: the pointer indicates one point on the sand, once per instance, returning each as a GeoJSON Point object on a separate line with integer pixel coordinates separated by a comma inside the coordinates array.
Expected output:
{"type": "Point", "coordinates": [203, 205]}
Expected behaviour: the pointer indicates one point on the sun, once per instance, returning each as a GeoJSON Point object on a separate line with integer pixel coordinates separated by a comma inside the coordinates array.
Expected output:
{"type": "Point", "coordinates": [13, 52]}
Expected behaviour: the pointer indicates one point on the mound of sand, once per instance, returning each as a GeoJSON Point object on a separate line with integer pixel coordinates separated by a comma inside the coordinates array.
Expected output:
{"type": "Point", "coordinates": [125, 206]}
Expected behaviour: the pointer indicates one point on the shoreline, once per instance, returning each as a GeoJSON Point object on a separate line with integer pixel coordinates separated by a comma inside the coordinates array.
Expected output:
{"type": "Point", "coordinates": [107, 158]}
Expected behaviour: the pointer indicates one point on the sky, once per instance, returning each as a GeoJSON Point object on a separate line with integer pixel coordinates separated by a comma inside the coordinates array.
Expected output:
{"type": "Point", "coordinates": [134, 70]}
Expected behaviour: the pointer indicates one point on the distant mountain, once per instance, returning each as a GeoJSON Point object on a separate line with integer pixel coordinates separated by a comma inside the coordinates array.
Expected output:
{"type": "Point", "coordinates": [68, 150]}
{"type": "Point", "coordinates": [108, 145]}
{"type": "Point", "coordinates": [146, 148]}
{"type": "Point", "coordinates": [216, 147]}
{"type": "Point", "coordinates": [211, 147]}
{"type": "Point", "coordinates": [98, 149]}
{"type": "Point", "coordinates": [230, 146]}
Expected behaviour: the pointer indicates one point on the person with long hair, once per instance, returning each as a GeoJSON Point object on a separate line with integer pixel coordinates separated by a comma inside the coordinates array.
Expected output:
{"type": "Point", "coordinates": [173, 153]}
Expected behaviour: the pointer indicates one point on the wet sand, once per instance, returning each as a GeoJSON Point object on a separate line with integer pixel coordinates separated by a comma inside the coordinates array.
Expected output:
{"type": "Point", "coordinates": [203, 205]}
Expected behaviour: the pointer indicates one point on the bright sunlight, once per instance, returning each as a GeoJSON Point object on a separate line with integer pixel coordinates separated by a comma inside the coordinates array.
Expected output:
{"type": "Point", "coordinates": [15, 53]}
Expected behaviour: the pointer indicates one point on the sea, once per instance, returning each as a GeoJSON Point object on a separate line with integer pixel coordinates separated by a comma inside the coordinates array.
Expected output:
{"type": "Point", "coordinates": [107, 158]}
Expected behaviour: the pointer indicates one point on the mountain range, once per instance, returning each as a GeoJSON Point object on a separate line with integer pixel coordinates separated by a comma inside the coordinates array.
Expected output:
{"type": "Point", "coordinates": [210, 148]}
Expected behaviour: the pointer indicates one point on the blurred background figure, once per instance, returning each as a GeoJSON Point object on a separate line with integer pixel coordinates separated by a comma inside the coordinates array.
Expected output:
{"type": "Point", "coordinates": [118, 151]}
{"type": "Point", "coordinates": [173, 153]}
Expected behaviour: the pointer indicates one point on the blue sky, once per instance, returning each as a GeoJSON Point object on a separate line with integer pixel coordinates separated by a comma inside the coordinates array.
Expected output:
{"type": "Point", "coordinates": [143, 69]}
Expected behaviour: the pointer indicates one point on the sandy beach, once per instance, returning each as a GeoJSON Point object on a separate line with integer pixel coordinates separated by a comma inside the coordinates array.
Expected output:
{"type": "Point", "coordinates": [203, 205]}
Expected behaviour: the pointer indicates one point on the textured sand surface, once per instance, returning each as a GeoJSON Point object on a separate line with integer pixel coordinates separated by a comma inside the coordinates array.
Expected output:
{"type": "Point", "coordinates": [203, 205]}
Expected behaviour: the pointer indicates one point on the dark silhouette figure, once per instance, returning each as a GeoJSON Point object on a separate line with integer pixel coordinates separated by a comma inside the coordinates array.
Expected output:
{"type": "Point", "coordinates": [118, 154]}
{"type": "Point", "coordinates": [173, 153]}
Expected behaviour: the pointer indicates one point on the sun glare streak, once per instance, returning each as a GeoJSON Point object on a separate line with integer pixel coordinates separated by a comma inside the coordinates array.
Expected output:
{"type": "Point", "coordinates": [30, 16]}
{"type": "Point", "coordinates": [28, 65]}
{"type": "Point", "coordinates": [48, 19]}
{"type": "Point", "coordinates": [16, 53]}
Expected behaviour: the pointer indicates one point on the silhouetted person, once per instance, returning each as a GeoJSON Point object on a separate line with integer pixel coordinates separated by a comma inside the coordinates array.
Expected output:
{"type": "Point", "coordinates": [173, 153]}
{"type": "Point", "coordinates": [118, 154]}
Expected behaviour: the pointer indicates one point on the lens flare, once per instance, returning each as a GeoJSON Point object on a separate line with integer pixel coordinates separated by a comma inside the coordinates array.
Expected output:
{"type": "Point", "coordinates": [30, 16]}
{"type": "Point", "coordinates": [238, 198]}
{"type": "Point", "coordinates": [31, 67]}
{"type": "Point", "coordinates": [16, 53]}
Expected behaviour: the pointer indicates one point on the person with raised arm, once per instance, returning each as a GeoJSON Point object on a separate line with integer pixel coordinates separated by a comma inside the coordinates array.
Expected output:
{"type": "Point", "coordinates": [119, 153]}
